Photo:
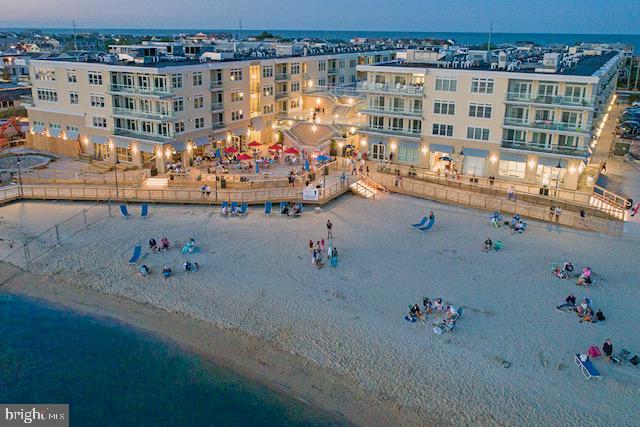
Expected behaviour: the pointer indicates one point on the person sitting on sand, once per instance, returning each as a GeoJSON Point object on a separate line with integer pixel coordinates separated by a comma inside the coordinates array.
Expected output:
{"type": "Point", "coordinates": [235, 210]}
{"type": "Point", "coordinates": [296, 209]}
{"type": "Point", "coordinates": [164, 244]}
{"type": "Point", "coordinates": [585, 277]}
{"type": "Point", "coordinates": [144, 270]}
{"type": "Point", "coordinates": [418, 313]}
{"type": "Point", "coordinates": [514, 220]}
{"type": "Point", "coordinates": [153, 245]}
{"type": "Point", "coordinates": [497, 245]}
{"type": "Point", "coordinates": [495, 222]}
{"type": "Point", "coordinates": [569, 301]}
{"type": "Point", "coordinates": [519, 227]}
{"type": "Point", "coordinates": [488, 244]}
{"type": "Point", "coordinates": [559, 273]}
{"type": "Point", "coordinates": [437, 304]}
{"type": "Point", "coordinates": [588, 316]}
{"type": "Point", "coordinates": [225, 210]}
{"type": "Point", "coordinates": [195, 267]}
{"type": "Point", "coordinates": [427, 304]}
{"type": "Point", "coordinates": [186, 266]}
{"type": "Point", "coordinates": [452, 312]}
{"type": "Point", "coordinates": [166, 271]}
{"type": "Point", "coordinates": [600, 316]}
{"type": "Point", "coordinates": [567, 267]}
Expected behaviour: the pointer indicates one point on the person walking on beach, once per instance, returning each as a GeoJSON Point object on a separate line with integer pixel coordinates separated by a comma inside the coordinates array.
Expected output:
{"type": "Point", "coordinates": [558, 211]}
{"type": "Point", "coordinates": [329, 227]}
{"type": "Point", "coordinates": [322, 245]}
{"type": "Point", "coordinates": [607, 349]}
{"type": "Point", "coordinates": [310, 246]}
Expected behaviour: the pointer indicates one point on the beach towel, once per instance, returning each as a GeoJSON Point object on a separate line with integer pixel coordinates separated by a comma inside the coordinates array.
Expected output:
{"type": "Point", "coordinates": [594, 352]}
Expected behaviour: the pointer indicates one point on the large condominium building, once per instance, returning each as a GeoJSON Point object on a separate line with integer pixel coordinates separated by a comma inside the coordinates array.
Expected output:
{"type": "Point", "coordinates": [150, 110]}
{"type": "Point", "coordinates": [523, 117]}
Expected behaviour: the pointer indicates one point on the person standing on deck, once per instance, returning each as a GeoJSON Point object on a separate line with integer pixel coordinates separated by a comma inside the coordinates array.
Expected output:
{"type": "Point", "coordinates": [558, 211]}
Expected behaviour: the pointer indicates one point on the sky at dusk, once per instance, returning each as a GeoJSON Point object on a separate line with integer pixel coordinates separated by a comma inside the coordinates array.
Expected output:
{"type": "Point", "coordinates": [539, 16]}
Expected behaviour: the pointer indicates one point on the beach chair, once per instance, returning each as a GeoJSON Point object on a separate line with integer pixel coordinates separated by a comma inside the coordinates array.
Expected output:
{"type": "Point", "coordinates": [428, 226]}
{"type": "Point", "coordinates": [587, 368]}
{"type": "Point", "coordinates": [422, 222]}
{"type": "Point", "coordinates": [234, 206]}
{"type": "Point", "coordinates": [137, 253]}
{"type": "Point", "coordinates": [301, 208]}
{"type": "Point", "coordinates": [224, 205]}
{"type": "Point", "coordinates": [267, 208]}
{"type": "Point", "coordinates": [282, 206]}
{"type": "Point", "coordinates": [144, 210]}
{"type": "Point", "coordinates": [124, 211]}
{"type": "Point", "coordinates": [244, 208]}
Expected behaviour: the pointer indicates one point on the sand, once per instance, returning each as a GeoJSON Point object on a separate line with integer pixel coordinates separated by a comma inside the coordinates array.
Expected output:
{"type": "Point", "coordinates": [336, 337]}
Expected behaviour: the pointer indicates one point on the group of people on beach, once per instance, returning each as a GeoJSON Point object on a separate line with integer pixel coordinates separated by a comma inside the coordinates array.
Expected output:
{"type": "Point", "coordinates": [447, 314]}
{"type": "Point", "coordinates": [317, 251]}
{"type": "Point", "coordinates": [566, 271]}
{"type": "Point", "coordinates": [517, 225]}
{"type": "Point", "coordinates": [584, 310]}
{"type": "Point", "coordinates": [291, 210]}
{"type": "Point", "coordinates": [188, 248]}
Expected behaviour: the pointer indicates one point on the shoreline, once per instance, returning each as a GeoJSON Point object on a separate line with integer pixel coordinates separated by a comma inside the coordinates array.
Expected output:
{"type": "Point", "coordinates": [254, 358]}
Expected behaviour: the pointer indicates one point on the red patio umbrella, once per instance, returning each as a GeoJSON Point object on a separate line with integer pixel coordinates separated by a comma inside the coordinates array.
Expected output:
{"type": "Point", "coordinates": [244, 156]}
{"type": "Point", "coordinates": [254, 144]}
{"type": "Point", "coordinates": [291, 150]}
{"type": "Point", "coordinates": [276, 147]}
{"type": "Point", "coordinates": [230, 150]}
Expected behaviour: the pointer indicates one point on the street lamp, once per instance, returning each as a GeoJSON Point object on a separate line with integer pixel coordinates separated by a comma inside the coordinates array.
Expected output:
{"type": "Point", "coordinates": [558, 169]}
{"type": "Point", "coordinates": [19, 161]}
{"type": "Point", "coordinates": [115, 173]}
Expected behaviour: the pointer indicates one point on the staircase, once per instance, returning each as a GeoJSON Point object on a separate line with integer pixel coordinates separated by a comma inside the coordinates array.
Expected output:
{"type": "Point", "coordinates": [157, 182]}
{"type": "Point", "coordinates": [363, 189]}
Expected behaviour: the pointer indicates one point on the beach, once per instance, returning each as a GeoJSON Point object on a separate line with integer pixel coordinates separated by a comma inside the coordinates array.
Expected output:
{"type": "Point", "coordinates": [336, 337]}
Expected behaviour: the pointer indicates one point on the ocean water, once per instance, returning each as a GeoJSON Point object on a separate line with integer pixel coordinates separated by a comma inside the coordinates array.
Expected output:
{"type": "Point", "coordinates": [114, 375]}
{"type": "Point", "coordinates": [465, 38]}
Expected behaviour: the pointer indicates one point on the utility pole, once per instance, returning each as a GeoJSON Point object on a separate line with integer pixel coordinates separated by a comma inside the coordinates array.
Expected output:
{"type": "Point", "coordinates": [239, 29]}
{"type": "Point", "coordinates": [489, 44]}
{"type": "Point", "coordinates": [75, 41]}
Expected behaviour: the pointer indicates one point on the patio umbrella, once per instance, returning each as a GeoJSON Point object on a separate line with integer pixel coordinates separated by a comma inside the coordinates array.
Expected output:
{"type": "Point", "coordinates": [291, 150]}
{"type": "Point", "coordinates": [323, 158]}
{"type": "Point", "coordinates": [257, 168]}
{"type": "Point", "coordinates": [254, 144]}
{"type": "Point", "coordinates": [244, 156]}
{"type": "Point", "coordinates": [446, 159]}
{"type": "Point", "coordinates": [276, 147]}
{"type": "Point", "coordinates": [230, 150]}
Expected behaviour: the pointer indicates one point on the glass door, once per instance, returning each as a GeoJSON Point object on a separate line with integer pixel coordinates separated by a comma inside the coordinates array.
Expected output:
{"type": "Point", "coordinates": [377, 151]}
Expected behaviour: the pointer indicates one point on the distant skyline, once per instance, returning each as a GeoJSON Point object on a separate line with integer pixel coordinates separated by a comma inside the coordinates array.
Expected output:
{"type": "Point", "coordinates": [515, 16]}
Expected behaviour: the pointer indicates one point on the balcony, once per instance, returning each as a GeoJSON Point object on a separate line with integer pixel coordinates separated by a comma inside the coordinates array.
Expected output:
{"type": "Point", "coordinates": [140, 91]}
{"type": "Point", "coordinates": [217, 106]}
{"type": "Point", "coordinates": [127, 112]}
{"type": "Point", "coordinates": [282, 77]}
{"type": "Point", "coordinates": [391, 111]}
{"type": "Point", "coordinates": [543, 148]}
{"type": "Point", "coordinates": [218, 125]}
{"type": "Point", "coordinates": [548, 125]}
{"type": "Point", "coordinates": [332, 70]}
{"type": "Point", "coordinates": [216, 85]}
{"type": "Point", "coordinates": [282, 94]}
{"type": "Point", "coordinates": [410, 90]}
{"type": "Point", "coordinates": [141, 135]}
{"type": "Point", "coordinates": [390, 131]}
{"type": "Point", "coordinates": [563, 101]}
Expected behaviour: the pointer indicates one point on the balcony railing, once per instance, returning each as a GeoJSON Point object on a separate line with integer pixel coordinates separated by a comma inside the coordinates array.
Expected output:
{"type": "Point", "coordinates": [282, 94]}
{"type": "Point", "coordinates": [377, 109]}
{"type": "Point", "coordinates": [392, 131]}
{"type": "Point", "coordinates": [217, 106]}
{"type": "Point", "coordinates": [530, 98]}
{"type": "Point", "coordinates": [282, 76]}
{"type": "Point", "coordinates": [338, 91]}
{"type": "Point", "coordinates": [141, 135]}
{"type": "Point", "coordinates": [414, 90]}
{"type": "Point", "coordinates": [218, 125]}
{"type": "Point", "coordinates": [216, 84]}
{"type": "Point", "coordinates": [332, 70]}
{"type": "Point", "coordinates": [139, 90]}
{"type": "Point", "coordinates": [548, 125]}
{"type": "Point", "coordinates": [544, 148]}
{"type": "Point", "coordinates": [127, 112]}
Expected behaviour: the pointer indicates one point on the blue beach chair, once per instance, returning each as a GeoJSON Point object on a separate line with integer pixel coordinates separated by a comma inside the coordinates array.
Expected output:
{"type": "Point", "coordinates": [124, 211]}
{"type": "Point", "coordinates": [587, 368]}
{"type": "Point", "coordinates": [422, 222]}
{"type": "Point", "coordinates": [267, 208]}
{"type": "Point", "coordinates": [428, 226]}
{"type": "Point", "coordinates": [244, 208]}
{"type": "Point", "coordinates": [234, 206]}
{"type": "Point", "coordinates": [137, 253]}
{"type": "Point", "coordinates": [224, 205]}
{"type": "Point", "coordinates": [144, 210]}
{"type": "Point", "coordinates": [282, 206]}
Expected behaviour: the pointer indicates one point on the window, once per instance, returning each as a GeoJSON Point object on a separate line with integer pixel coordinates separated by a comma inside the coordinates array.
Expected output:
{"type": "Point", "coordinates": [267, 91]}
{"type": "Point", "coordinates": [473, 165]}
{"type": "Point", "coordinates": [197, 78]}
{"type": "Point", "coordinates": [163, 129]}
{"type": "Point", "coordinates": [444, 107]}
{"type": "Point", "coordinates": [179, 127]}
{"type": "Point", "coordinates": [295, 86]}
{"type": "Point", "coordinates": [267, 72]}
{"type": "Point", "coordinates": [73, 129]}
{"type": "Point", "coordinates": [397, 123]}
{"type": "Point", "coordinates": [482, 85]}
{"type": "Point", "coordinates": [99, 122]}
{"type": "Point", "coordinates": [511, 168]}
{"type": "Point", "coordinates": [295, 68]}
{"type": "Point", "coordinates": [73, 98]}
{"type": "Point", "coordinates": [147, 127]}
{"type": "Point", "coordinates": [95, 78]}
{"type": "Point", "coordinates": [236, 74]}
{"type": "Point", "coordinates": [575, 93]}
{"type": "Point", "coordinates": [267, 109]}
{"type": "Point", "coordinates": [199, 122]}
{"type": "Point", "coordinates": [376, 122]}
{"type": "Point", "coordinates": [322, 82]}
{"type": "Point", "coordinates": [408, 153]}
{"type": "Point", "coordinates": [322, 66]}
{"type": "Point", "coordinates": [198, 101]}
{"type": "Point", "coordinates": [478, 133]}
{"type": "Point", "coordinates": [341, 63]}
{"type": "Point", "coordinates": [482, 111]}
{"type": "Point", "coordinates": [547, 89]}
{"type": "Point", "coordinates": [513, 135]}
{"type": "Point", "coordinates": [72, 77]}
{"type": "Point", "coordinates": [97, 101]}
{"type": "Point", "coordinates": [48, 95]}
{"type": "Point", "coordinates": [55, 126]}
{"type": "Point", "coordinates": [38, 123]}
{"type": "Point", "coordinates": [415, 126]}
{"type": "Point", "coordinates": [442, 130]}
{"type": "Point", "coordinates": [237, 96]}
{"type": "Point", "coordinates": [236, 115]}
{"type": "Point", "coordinates": [178, 104]}
{"type": "Point", "coordinates": [446, 84]}
{"type": "Point", "coordinates": [294, 103]}
{"type": "Point", "coordinates": [44, 74]}
{"type": "Point", "coordinates": [176, 81]}
{"type": "Point", "coordinates": [352, 63]}
{"type": "Point", "coordinates": [567, 141]}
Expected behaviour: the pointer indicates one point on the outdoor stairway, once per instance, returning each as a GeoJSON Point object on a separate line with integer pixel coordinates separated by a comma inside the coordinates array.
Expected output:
{"type": "Point", "coordinates": [156, 182]}
{"type": "Point", "coordinates": [607, 207]}
{"type": "Point", "coordinates": [362, 189]}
